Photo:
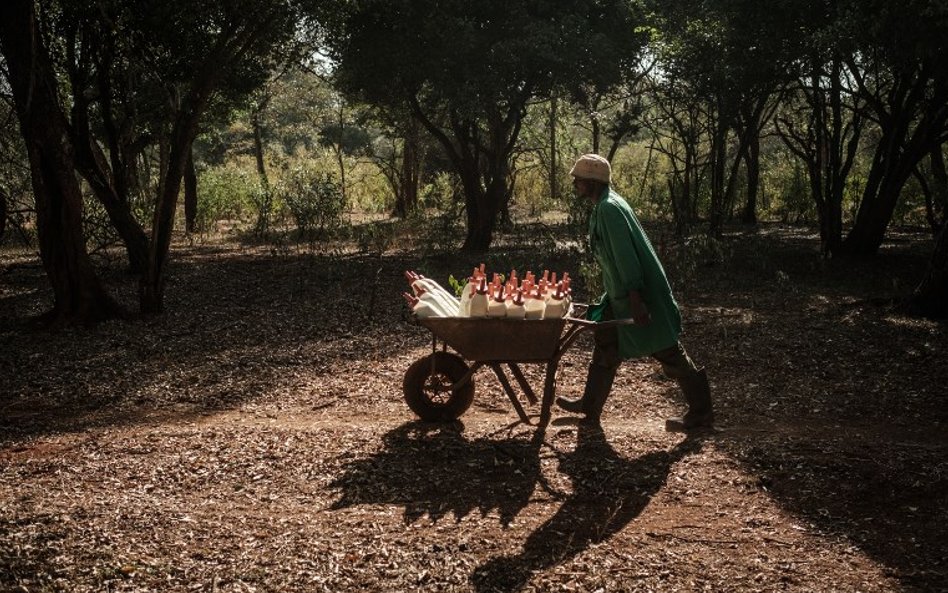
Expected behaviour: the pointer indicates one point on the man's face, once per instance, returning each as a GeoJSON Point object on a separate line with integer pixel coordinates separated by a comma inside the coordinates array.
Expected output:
{"type": "Point", "coordinates": [584, 188]}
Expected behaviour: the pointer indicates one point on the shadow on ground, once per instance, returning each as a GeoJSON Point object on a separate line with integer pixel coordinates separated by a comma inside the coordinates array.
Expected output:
{"type": "Point", "coordinates": [433, 470]}
{"type": "Point", "coordinates": [609, 492]}
{"type": "Point", "coordinates": [887, 496]}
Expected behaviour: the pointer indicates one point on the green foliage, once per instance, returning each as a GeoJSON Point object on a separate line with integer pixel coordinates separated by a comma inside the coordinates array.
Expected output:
{"type": "Point", "coordinates": [314, 200]}
{"type": "Point", "coordinates": [698, 252]}
{"type": "Point", "coordinates": [456, 285]}
{"type": "Point", "coordinates": [469, 69]}
{"type": "Point", "coordinates": [366, 190]}
{"type": "Point", "coordinates": [225, 193]}
{"type": "Point", "coordinates": [591, 275]}
{"type": "Point", "coordinates": [375, 237]}
{"type": "Point", "coordinates": [438, 231]}
{"type": "Point", "coordinates": [795, 204]}
{"type": "Point", "coordinates": [263, 199]}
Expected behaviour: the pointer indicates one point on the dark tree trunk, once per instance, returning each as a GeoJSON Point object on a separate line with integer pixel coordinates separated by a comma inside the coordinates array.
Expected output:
{"type": "Point", "coordinates": [718, 186]}
{"type": "Point", "coordinates": [411, 168]}
{"type": "Point", "coordinates": [752, 163]}
{"type": "Point", "coordinates": [554, 172]}
{"type": "Point", "coordinates": [90, 163]}
{"type": "Point", "coordinates": [406, 180]}
{"type": "Point", "coordinates": [937, 206]}
{"type": "Point", "coordinates": [176, 150]}
{"type": "Point", "coordinates": [3, 215]}
{"type": "Point", "coordinates": [258, 148]}
{"type": "Point", "coordinates": [78, 295]}
{"type": "Point", "coordinates": [827, 146]}
{"type": "Point", "coordinates": [482, 208]}
{"type": "Point", "coordinates": [930, 298]}
{"type": "Point", "coordinates": [876, 209]}
{"type": "Point", "coordinates": [152, 285]}
{"type": "Point", "coordinates": [190, 194]}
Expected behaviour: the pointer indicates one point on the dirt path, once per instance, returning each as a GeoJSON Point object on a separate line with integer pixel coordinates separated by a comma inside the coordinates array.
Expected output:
{"type": "Point", "coordinates": [255, 439]}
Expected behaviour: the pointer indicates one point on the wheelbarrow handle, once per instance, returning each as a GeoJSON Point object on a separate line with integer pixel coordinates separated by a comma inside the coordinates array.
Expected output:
{"type": "Point", "coordinates": [587, 324]}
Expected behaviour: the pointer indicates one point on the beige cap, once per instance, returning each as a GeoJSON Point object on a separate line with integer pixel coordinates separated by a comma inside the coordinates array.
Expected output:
{"type": "Point", "coordinates": [592, 166]}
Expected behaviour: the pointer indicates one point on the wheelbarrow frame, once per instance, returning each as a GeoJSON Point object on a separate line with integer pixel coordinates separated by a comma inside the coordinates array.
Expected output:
{"type": "Point", "coordinates": [511, 342]}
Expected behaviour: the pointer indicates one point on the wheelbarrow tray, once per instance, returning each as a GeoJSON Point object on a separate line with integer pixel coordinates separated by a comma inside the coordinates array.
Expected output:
{"type": "Point", "coordinates": [499, 339]}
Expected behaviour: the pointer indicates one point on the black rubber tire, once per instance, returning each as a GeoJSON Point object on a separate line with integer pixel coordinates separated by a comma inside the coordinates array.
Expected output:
{"type": "Point", "coordinates": [428, 393]}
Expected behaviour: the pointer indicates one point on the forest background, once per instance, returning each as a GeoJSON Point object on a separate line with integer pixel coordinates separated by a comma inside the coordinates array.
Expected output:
{"type": "Point", "coordinates": [381, 123]}
{"type": "Point", "coordinates": [206, 210]}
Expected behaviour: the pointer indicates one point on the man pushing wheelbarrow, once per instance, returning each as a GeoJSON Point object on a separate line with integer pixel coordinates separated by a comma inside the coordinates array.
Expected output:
{"type": "Point", "coordinates": [636, 288]}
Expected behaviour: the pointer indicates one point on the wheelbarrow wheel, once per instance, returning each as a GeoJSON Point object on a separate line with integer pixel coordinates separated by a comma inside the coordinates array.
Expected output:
{"type": "Point", "coordinates": [428, 384]}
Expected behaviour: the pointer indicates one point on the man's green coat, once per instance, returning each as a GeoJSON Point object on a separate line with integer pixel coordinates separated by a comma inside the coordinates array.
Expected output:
{"type": "Point", "coordinates": [629, 262]}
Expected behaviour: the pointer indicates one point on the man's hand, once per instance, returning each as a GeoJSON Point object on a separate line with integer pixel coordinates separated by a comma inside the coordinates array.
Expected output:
{"type": "Point", "coordinates": [640, 312]}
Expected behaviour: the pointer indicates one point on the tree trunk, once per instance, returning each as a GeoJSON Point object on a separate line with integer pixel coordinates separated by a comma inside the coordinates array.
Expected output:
{"type": "Point", "coordinates": [876, 209]}
{"type": "Point", "coordinates": [930, 298]}
{"type": "Point", "coordinates": [718, 167]}
{"type": "Point", "coordinates": [554, 174]}
{"type": "Point", "coordinates": [752, 162]}
{"type": "Point", "coordinates": [939, 191]}
{"type": "Point", "coordinates": [258, 148]}
{"type": "Point", "coordinates": [412, 167]}
{"type": "Point", "coordinates": [485, 190]}
{"type": "Point", "coordinates": [481, 209]}
{"type": "Point", "coordinates": [176, 150]}
{"type": "Point", "coordinates": [190, 194]}
{"type": "Point", "coordinates": [109, 177]}
{"type": "Point", "coordinates": [406, 192]}
{"type": "Point", "coordinates": [77, 294]}
{"type": "Point", "coordinates": [3, 216]}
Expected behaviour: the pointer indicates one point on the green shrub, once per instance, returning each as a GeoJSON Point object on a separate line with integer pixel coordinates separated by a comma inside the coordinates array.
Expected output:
{"type": "Point", "coordinates": [375, 237]}
{"type": "Point", "coordinates": [224, 193]}
{"type": "Point", "coordinates": [263, 199]}
{"type": "Point", "coordinates": [314, 200]}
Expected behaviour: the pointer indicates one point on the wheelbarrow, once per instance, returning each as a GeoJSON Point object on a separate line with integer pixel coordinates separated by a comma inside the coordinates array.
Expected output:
{"type": "Point", "coordinates": [439, 387]}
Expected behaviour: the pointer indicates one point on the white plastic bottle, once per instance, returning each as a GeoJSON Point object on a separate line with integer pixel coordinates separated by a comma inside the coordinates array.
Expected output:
{"type": "Point", "coordinates": [437, 305]}
{"type": "Point", "coordinates": [515, 309]}
{"type": "Point", "coordinates": [464, 305]}
{"type": "Point", "coordinates": [497, 307]}
{"type": "Point", "coordinates": [534, 305]}
{"type": "Point", "coordinates": [557, 305]}
{"type": "Point", "coordinates": [479, 301]}
{"type": "Point", "coordinates": [419, 284]}
{"type": "Point", "coordinates": [420, 308]}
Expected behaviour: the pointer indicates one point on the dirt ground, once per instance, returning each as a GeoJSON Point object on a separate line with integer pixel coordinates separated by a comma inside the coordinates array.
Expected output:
{"type": "Point", "coordinates": [254, 438]}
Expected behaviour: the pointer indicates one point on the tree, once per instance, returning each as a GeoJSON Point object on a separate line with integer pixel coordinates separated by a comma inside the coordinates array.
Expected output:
{"type": "Point", "coordinates": [467, 71]}
{"type": "Point", "coordinates": [78, 295]}
{"type": "Point", "coordinates": [732, 58]}
{"type": "Point", "coordinates": [678, 133]}
{"type": "Point", "coordinates": [901, 75]}
{"type": "Point", "coordinates": [821, 123]}
{"type": "Point", "coordinates": [197, 53]}
{"type": "Point", "coordinates": [108, 123]}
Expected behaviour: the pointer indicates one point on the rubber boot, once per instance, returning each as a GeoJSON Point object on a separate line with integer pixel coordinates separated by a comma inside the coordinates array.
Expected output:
{"type": "Point", "coordinates": [598, 385]}
{"type": "Point", "coordinates": [698, 395]}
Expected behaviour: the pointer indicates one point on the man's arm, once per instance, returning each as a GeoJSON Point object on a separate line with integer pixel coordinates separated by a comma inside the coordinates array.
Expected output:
{"type": "Point", "coordinates": [640, 312]}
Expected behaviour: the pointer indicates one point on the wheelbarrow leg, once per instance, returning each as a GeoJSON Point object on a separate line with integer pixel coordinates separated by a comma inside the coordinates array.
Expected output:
{"type": "Point", "coordinates": [508, 389]}
{"type": "Point", "coordinates": [518, 375]}
{"type": "Point", "coordinates": [549, 390]}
